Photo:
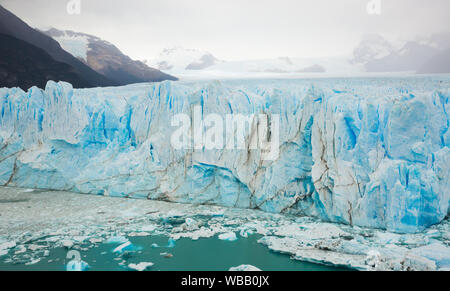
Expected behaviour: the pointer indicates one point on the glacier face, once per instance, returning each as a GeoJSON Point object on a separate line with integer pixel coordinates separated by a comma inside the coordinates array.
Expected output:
{"type": "Point", "coordinates": [367, 152]}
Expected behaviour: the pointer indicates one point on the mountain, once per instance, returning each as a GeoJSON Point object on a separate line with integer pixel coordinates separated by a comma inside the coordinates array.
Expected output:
{"type": "Point", "coordinates": [372, 47]}
{"type": "Point", "coordinates": [281, 65]}
{"type": "Point", "coordinates": [374, 54]}
{"type": "Point", "coordinates": [178, 59]}
{"type": "Point", "coordinates": [25, 65]}
{"type": "Point", "coordinates": [11, 25]}
{"type": "Point", "coordinates": [106, 58]}
{"type": "Point", "coordinates": [194, 63]}
{"type": "Point", "coordinates": [205, 61]}
{"type": "Point", "coordinates": [377, 54]}
{"type": "Point", "coordinates": [439, 64]}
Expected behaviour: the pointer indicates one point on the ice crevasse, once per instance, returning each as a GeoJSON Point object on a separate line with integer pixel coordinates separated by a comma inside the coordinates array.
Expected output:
{"type": "Point", "coordinates": [366, 152]}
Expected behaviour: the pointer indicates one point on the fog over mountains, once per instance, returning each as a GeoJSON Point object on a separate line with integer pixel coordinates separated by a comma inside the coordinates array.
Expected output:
{"type": "Point", "coordinates": [374, 54]}
{"type": "Point", "coordinates": [425, 55]}
{"type": "Point", "coordinates": [179, 59]}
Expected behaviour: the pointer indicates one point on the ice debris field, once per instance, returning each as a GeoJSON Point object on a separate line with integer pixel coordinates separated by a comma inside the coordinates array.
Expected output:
{"type": "Point", "coordinates": [362, 152]}
{"type": "Point", "coordinates": [39, 228]}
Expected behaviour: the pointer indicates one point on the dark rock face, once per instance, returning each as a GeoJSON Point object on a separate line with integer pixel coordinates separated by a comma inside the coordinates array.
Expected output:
{"type": "Point", "coordinates": [11, 25]}
{"type": "Point", "coordinates": [25, 65]}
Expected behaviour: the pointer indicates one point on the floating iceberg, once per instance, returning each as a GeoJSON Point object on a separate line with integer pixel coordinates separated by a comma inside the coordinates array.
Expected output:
{"type": "Point", "coordinates": [242, 268]}
{"type": "Point", "coordinates": [366, 152]}
{"type": "Point", "coordinates": [141, 266]}
{"type": "Point", "coordinates": [4, 247]}
{"type": "Point", "coordinates": [229, 236]}
{"type": "Point", "coordinates": [126, 247]}
{"type": "Point", "coordinates": [117, 240]}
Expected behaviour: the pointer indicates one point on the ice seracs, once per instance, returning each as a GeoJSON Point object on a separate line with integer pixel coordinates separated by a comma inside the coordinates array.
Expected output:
{"type": "Point", "coordinates": [364, 152]}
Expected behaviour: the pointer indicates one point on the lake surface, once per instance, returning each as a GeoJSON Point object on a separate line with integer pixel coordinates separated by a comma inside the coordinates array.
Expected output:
{"type": "Point", "coordinates": [208, 254]}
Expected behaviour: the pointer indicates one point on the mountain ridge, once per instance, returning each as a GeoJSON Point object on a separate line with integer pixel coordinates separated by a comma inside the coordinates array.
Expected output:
{"type": "Point", "coordinates": [25, 65]}
{"type": "Point", "coordinates": [105, 58]}
{"type": "Point", "coordinates": [13, 26]}
{"type": "Point", "coordinates": [377, 54]}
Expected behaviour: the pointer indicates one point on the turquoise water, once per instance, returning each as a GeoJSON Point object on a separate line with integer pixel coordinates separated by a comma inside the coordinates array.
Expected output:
{"type": "Point", "coordinates": [188, 255]}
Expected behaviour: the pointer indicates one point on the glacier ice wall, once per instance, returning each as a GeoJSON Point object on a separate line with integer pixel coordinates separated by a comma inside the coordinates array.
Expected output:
{"type": "Point", "coordinates": [366, 152]}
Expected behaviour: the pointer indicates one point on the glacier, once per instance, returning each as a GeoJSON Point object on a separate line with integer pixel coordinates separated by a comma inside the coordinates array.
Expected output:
{"type": "Point", "coordinates": [364, 152]}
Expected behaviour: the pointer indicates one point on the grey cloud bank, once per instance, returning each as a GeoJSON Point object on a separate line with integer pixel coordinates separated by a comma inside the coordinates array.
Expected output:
{"type": "Point", "coordinates": [235, 30]}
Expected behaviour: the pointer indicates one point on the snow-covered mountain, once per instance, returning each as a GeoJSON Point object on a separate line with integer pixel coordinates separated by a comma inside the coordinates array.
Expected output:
{"type": "Point", "coordinates": [372, 47]}
{"type": "Point", "coordinates": [178, 59]}
{"type": "Point", "coordinates": [377, 54]}
{"type": "Point", "coordinates": [75, 43]}
{"type": "Point", "coordinates": [287, 65]}
{"type": "Point", "coordinates": [197, 63]}
{"type": "Point", "coordinates": [374, 54]}
{"type": "Point", "coordinates": [106, 58]}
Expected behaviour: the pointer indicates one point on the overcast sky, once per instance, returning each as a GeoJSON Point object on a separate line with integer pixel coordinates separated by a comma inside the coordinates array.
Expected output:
{"type": "Point", "coordinates": [238, 29]}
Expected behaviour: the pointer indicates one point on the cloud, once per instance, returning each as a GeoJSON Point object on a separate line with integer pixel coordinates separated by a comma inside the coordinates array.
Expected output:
{"type": "Point", "coordinates": [238, 29]}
